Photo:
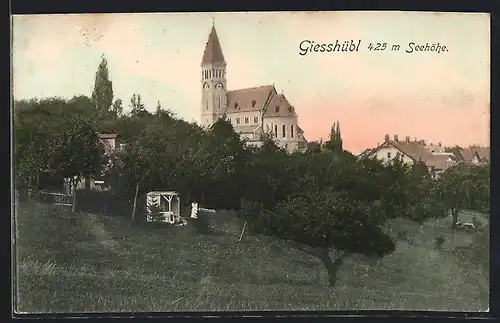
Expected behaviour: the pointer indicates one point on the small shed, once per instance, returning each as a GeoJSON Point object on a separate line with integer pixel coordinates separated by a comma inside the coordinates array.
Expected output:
{"type": "Point", "coordinates": [164, 206]}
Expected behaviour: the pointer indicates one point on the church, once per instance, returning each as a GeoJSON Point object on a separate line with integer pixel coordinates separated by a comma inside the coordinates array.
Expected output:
{"type": "Point", "coordinates": [252, 111]}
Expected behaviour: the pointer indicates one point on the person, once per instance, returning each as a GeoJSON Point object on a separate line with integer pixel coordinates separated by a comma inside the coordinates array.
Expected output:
{"type": "Point", "coordinates": [194, 210]}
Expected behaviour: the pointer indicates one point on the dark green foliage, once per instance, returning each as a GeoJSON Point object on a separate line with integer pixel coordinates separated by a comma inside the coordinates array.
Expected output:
{"type": "Point", "coordinates": [102, 95]}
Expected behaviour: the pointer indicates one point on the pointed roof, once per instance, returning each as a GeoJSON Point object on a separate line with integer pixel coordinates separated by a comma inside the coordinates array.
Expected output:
{"type": "Point", "coordinates": [213, 51]}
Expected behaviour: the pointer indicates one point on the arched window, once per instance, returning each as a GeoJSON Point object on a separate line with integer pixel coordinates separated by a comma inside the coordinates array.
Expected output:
{"type": "Point", "coordinates": [291, 131]}
{"type": "Point", "coordinates": [276, 130]}
{"type": "Point", "coordinates": [283, 129]}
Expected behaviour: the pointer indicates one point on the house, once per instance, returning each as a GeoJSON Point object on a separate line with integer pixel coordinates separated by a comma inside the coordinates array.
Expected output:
{"type": "Point", "coordinates": [96, 182]}
{"type": "Point", "coordinates": [411, 153]}
{"type": "Point", "coordinates": [253, 111]}
{"type": "Point", "coordinates": [473, 155]}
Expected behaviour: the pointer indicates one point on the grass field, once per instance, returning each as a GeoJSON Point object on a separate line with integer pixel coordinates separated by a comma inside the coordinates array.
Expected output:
{"type": "Point", "coordinates": [69, 262]}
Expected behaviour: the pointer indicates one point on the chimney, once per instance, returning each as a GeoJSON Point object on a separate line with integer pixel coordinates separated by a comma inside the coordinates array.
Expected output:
{"type": "Point", "coordinates": [407, 139]}
{"type": "Point", "coordinates": [439, 144]}
{"type": "Point", "coordinates": [396, 138]}
{"type": "Point", "coordinates": [386, 137]}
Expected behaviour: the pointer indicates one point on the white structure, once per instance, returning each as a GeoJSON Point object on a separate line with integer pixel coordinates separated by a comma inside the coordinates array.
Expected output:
{"type": "Point", "coordinates": [195, 209]}
{"type": "Point", "coordinates": [165, 203]}
{"type": "Point", "coordinates": [252, 111]}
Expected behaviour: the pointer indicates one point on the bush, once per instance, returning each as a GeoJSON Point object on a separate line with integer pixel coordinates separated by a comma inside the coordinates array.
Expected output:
{"type": "Point", "coordinates": [201, 223]}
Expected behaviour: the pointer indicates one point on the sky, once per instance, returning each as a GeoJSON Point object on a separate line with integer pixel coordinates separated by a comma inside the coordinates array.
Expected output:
{"type": "Point", "coordinates": [440, 97]}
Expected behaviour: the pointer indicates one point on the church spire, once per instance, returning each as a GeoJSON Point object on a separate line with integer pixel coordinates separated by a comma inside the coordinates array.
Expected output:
{"type": "Point", "coordinates": [213, 51]}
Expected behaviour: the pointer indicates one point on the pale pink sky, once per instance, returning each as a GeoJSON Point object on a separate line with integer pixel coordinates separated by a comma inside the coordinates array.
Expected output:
{"type": "Point", "coordinates": [438, 97]}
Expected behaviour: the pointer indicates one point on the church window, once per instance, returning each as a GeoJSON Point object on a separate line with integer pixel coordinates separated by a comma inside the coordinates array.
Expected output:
{"type": "Point", "coordinates": [276, 130]}
{"type": "Point", "coordinates": [237, 120]}
{"type": "Point", "coordinates": [277, 108]}
{"type": "Point", "coordinates": [389, 155]}
{"type": "Point", "coordinates": [283, 129]}
{"type": "Point", "coordinates": [290, 109]}
{"type": "Point", "coordinates": [246, 119]}
{"type": "Point", "coordinates": [255, 119]}
{"type": "Point", "coordinates": [235, 105]}
{"type": "Point", "coordinates": [291, 131]}
{"type": "Point", "coordinates": [253, 103]}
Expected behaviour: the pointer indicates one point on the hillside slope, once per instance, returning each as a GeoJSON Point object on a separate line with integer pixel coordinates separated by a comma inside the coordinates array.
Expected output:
{"type": "Point", "coordinates": [71, 262]}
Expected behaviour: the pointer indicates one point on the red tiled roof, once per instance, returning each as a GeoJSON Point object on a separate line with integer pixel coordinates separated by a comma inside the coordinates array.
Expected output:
{"type": "Point", "coordinates": [213, 51]}
{"type": "Point", "coordinates": [279, 107]}
{"type": "Point", "coordinates": [250, 99]}
{"type": "Point", "coordinates": [107, 135]}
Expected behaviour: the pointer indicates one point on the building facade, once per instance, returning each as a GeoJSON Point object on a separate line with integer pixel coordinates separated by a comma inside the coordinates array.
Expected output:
{"type": "Point", "coordinates": [412, 153]}
{"type": "Point", "coordinates": [253, 112]}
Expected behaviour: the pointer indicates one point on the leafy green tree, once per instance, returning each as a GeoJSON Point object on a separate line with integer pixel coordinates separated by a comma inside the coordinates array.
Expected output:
{"type": "Point", "coordinates": [117, 108]}
{"type": "Point", "coordinates": [465, 186]}
{"type": "Point", "coordinates": [335, 203]}
{"type": "Point", "coordinates": [137, 107]}
{"type": "Point", "coordinates": [335, 141]}
{"type": "Point", "coordinates": [102, 95]}
{"type": "Point", "coordinates": [75, 152]}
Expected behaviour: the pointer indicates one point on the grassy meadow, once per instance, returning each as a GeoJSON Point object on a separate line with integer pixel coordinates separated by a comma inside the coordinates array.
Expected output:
{"type": "Point", "coordinates": [81, 262]}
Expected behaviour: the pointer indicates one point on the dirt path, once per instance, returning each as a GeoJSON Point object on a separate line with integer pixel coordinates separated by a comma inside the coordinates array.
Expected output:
{"type": "Point", "coordinates": [102, 236]}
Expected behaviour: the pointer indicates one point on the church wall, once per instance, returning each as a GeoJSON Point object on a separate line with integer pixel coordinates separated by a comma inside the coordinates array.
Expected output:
{"type": "Point", "coordinates": [242, 115]}
{"type": "Point", "coordinates": [270, 122]}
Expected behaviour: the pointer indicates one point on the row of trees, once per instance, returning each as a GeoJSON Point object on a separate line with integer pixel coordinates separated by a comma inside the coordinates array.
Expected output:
{"type": "Point", "coordinates": [321, 201]}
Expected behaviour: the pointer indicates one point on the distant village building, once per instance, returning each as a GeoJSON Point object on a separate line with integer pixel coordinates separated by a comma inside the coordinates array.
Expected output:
{"type": "Point", "coordinates": [108, 142]}
{"type": "Point", "coordinates": [412, 152]}
{"type": "Point", "coordinates": [252, 111]}
{"type": "Point", "coordinates": [473, 155]}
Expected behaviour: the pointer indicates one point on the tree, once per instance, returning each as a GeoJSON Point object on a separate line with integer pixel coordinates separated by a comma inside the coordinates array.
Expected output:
{"type": "Point", "coordinates": [117, 108]}
{"type": "Point", "coordinates": [334, 202]}
{"type": "Point", "coordinates": [335, 141]}
{"type": "Point", "coordinates": [465, 186]}
{"type": "Point", "coordinates": [158, 108]}
{"type": "Point", "coordinates": [75, 152]}
{"type": "Point", "coordinates": [102, 95]}
{"type": "Point", "coordinates": [138, 108]}
{"type": "Point", "coordinates": [313, 147]}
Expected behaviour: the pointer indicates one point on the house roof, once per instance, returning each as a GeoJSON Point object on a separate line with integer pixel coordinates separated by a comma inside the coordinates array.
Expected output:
{"type": "Point", "coordinates": [435, 148]}
{"type": "Point", "coordinates": [484, 153]}
{"type": "Point", "coordinates": [279, 107]}
{"type": "Point", "coordinates": [213, 50]}
{"type": "Point", "coordinates": [412, 149]}
{"type": "Point", "coordinates": [468, 154]}
{"type": "Point", "coordinates": [249, 99]}
{"type": "Point", "coordinates": [301, 132]}
{"type": "Point", "coordinates": [107, 135]}
{"type": "Point", "coordinates": [439, 162]}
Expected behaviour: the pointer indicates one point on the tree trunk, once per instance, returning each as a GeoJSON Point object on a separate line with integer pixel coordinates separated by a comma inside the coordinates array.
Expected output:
{"type": "Point", "coordinates": [454, 213]}
{"type": "Point", "coordinates": [331, 266]}
{"type": "Point", "coordinates": [135, 201]}
{"type": "Point", "coordinates": [73, 186]}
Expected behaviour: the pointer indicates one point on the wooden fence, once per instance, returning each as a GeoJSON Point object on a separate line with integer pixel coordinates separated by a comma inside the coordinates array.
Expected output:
{"type": "Point", "coordinates": [54, 198]}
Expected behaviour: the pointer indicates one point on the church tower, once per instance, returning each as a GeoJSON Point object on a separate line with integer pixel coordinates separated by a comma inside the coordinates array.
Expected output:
{"type": "Point", "coordinates": [213, 81]}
